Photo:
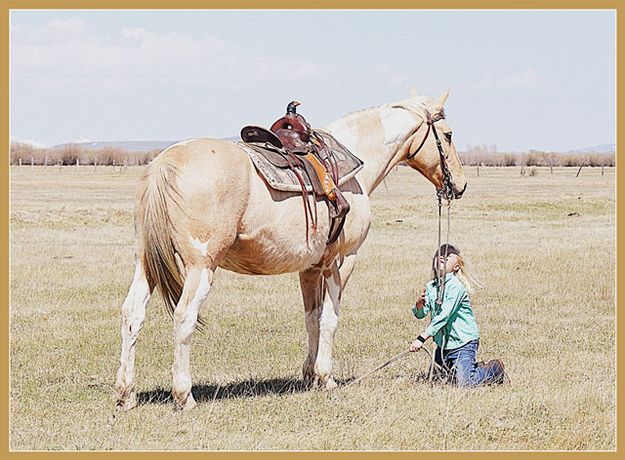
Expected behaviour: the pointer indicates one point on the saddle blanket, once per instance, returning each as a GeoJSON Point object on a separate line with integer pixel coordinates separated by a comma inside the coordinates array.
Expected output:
{"type": "Point", "coordinates": [284, 179]}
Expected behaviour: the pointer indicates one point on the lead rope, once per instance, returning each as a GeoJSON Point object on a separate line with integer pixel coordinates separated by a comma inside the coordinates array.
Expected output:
{"type": "Point", "coordinates": [383, 365]}
{"type": "Point", "coordinates": [440, 278]}
{"type": "Point", "coordinates": [439, 297]}
{"type": "Point", "coordinates": [446, 191]}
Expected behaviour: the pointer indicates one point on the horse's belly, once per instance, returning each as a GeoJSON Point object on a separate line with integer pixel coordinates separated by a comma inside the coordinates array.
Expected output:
{"type": "Point", "coordinates": [272, 237]}
{"type": "Point", "coordinates": [274, 256]}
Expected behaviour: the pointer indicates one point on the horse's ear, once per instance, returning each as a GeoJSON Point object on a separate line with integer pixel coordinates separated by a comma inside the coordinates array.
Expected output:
{"type": "Point", "coordinates": [413, 93]}
{"type": "Point", "coordinates": [437, 107]}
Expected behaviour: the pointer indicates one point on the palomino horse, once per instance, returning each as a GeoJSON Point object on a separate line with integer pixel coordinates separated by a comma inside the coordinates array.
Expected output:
{"type": "Point", "coordinates": [202, 205]}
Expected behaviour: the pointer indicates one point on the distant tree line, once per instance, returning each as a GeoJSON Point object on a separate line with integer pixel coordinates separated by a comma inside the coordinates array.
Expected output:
{"type": "Point", "coordinates": [69, 154]}
{"type": "Point", "coordinates": [483, 155]}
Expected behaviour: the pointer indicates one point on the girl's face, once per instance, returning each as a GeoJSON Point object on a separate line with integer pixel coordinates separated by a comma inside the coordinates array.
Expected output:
{"type": "Point", "coordinates": [451, 264]}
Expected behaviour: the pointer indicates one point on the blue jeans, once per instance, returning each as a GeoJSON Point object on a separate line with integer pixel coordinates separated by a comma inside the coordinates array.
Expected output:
{"type": "Point", "coordinates": [462, 362]}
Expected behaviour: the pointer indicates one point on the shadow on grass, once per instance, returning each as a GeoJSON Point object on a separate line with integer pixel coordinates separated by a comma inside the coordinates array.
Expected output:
{"type": "Point", "coordinates": [246, 389]}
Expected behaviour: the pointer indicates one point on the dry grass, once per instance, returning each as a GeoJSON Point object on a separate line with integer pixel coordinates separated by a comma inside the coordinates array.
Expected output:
{"type": "Point", "coordinates": [548, 310]}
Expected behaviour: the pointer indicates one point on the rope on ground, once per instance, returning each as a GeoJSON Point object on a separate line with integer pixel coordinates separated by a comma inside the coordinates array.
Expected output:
{"type": "Point", "coordinates": [381, 366]}
{"type": "Point", "coordinates": [395, 358]}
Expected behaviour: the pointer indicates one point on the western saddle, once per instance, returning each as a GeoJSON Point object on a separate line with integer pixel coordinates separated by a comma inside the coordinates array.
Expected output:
{"type": "Point", "coordinates": [300, 148]}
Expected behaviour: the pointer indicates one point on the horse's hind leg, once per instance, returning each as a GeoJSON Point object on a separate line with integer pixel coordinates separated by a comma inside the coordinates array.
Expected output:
{"type": "Point", "coordinates": [322, 295]}
{"type": "Point", "coordinates": [328, 323]}
{"type": "Point", "coordinates": [196, 288]}
{"type": "Point", "coordinates": [133, 314]}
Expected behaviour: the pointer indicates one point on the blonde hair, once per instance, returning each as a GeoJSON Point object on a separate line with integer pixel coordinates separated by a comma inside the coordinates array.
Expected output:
{"type": "Point", "coordinates": [463, 273]}
{"type": "Point", "coordinates": [465, 277]}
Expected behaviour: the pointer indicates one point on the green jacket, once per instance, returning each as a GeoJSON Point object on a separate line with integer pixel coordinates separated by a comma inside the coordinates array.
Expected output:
{"type": "Point", "coordinates": [453, 323]}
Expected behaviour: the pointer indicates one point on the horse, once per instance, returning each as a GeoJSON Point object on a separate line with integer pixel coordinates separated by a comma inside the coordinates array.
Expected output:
{"type": "Point", "coordinates": [201, 204]}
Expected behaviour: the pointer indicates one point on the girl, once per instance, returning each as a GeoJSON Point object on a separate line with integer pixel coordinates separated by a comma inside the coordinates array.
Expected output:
{"type": "Point", "coordinates": [453, 324]}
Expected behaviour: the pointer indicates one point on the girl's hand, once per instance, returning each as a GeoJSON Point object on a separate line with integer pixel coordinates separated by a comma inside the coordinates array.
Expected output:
{"type": "Point", "coordinates": [421, 299]}
{"type": "Point", "coordinates": [416, 345]}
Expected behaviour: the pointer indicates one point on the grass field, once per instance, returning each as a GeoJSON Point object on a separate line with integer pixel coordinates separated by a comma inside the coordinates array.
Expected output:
{"type": "Point", "coordinates": [548, 310]}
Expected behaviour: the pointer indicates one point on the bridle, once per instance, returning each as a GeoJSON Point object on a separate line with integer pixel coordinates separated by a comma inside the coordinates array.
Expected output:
{"type": "Point", "coordinates": [446, 191]}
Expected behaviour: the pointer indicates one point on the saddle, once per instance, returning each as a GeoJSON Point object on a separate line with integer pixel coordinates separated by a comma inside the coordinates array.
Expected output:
{"type": "Point", "coordinates": [312, 157]}
{"type": "Point", "coordinates": [293, 130]}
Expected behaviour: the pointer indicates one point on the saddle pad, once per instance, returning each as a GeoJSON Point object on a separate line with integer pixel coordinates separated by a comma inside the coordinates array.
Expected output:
{"type": "Point", "coordinates": [283, 179]}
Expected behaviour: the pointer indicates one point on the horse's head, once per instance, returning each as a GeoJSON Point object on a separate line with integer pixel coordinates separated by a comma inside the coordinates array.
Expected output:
{"type": "Point", "coordinates": [441, 166]}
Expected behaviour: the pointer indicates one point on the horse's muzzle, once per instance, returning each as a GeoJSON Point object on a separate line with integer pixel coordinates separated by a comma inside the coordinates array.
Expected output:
{"type": "Point", "coordinates": [458, 193]}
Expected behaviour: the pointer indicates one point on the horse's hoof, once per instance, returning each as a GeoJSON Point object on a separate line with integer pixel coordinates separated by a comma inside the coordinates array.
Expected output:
{"type": "Point", "coordinates": [187, 405]}
{"type": "Point", "coordinates": [308, 379]}
{"type": "Point", "coordinates": [308, 374]}
{"type": "Point", "coordinates": [331, 384]}
{"type": "Point", "coordinates": [124, 405]}
{"type": "Point", "coordinates": [190, 404]}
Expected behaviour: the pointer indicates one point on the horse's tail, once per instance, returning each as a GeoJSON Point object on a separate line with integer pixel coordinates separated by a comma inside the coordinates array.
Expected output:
{"type": "Point", "coordinates": [157, 193]}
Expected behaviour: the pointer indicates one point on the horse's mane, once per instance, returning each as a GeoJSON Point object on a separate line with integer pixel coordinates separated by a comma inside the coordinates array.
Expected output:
{"type": "Point", "coordinates": [416, 104]}
{"type": "Point", "coordinates": [420, 105]}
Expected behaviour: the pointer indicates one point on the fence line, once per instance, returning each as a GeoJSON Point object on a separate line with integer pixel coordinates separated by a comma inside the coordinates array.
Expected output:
{"type": "Point", "coordinates": [479, 169]}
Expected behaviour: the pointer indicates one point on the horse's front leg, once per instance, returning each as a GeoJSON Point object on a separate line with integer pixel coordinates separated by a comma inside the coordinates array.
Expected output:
{"type": "Point", "coordinates": [311, 285]}
{"type": "Point", "coordinates": [196, 288]}
{"type": "Point", "coordinates": [328, 323]}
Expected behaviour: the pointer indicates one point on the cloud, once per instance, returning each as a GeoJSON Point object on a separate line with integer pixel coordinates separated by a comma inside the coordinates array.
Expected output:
{"type": "Point", "coordinates": [136, 33]}
{"type": "Point", "coordinates": [55, 31]}
{"type": "Point", "coordinates": [67, 54]}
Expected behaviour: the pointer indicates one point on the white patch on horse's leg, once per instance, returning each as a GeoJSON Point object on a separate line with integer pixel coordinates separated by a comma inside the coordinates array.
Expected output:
{"type": "Point", "coordinates": [197, 244]}
{"type": "Point", "coordinates": [328, 324]}
{"type": "Point", "coordinates": [133, 315]}
{"type": "Point", "coordinates": [196, 288]}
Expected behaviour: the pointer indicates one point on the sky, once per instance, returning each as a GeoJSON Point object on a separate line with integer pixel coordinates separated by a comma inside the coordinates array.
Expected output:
{"type": "Point", "coordinates": [519, 80]}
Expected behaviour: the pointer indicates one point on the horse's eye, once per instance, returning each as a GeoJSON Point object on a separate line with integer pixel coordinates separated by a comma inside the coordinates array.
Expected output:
{"type": "Point", "coordinates": [448, 136]}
